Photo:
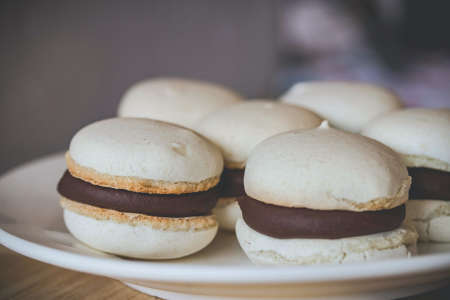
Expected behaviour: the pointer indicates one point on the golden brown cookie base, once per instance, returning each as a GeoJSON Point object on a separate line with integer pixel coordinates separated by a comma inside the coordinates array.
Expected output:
{"type": "Point", "coordinates": [136, 184]}
{"type": "Point", "coordinates": [160, 223]}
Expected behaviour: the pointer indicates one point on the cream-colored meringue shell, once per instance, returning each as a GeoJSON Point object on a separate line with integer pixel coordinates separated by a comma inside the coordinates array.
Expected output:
{"type": "Point", "coordinates": [263, 249]}
{"type": "Point", "coordinates": [238, 128]}
{"type": "Point", "coordinates": [142, 241]}
{"type": "Point", "coordinates": [227, 212]}
{"type": "Point", "coordinates": [326, 169]}
{"type": "Point", "coordinates": [146, 149]}
{"type": "Point", "coordinates": [420, 135]}
{"type": "Point", "coordinates": [175, 100]}
{"type": "Point", "coordinates": [431, 218]}
{"type": "Point", "coordinates": [347, 105]}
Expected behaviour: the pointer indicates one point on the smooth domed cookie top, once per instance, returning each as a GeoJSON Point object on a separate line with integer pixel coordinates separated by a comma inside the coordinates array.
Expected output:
{"type": "Point", "coordinates": [326, 169]}
{"type": "Point", "coordinates": [347, 105]}
{"type": "Point", "coordinates": [146, 149]}
{"type": "Point", "coordinates": [421, 135]}
{"type": "Point", "coordinates": [238, 128]}
{"type": "Point", "coordinates": [173, 100]}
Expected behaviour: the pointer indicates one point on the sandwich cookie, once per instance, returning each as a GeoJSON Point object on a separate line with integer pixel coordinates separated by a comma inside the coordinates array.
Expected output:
{"type": "Point", "coordinates": [347, 105]}
{"type": "Point", "coordinates": [422, 137]}
{"type": "Point", "coordinates": [324, 196]}
{"type": "Point", "coordinates": [236, 130]}
{"type": "Point", "coordinates": [141, 188]}
{"type": "Point", "coordinates": [174, 100]}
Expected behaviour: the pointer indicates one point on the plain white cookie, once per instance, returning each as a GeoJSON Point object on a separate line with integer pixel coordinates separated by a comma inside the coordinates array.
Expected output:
{"type": "Point", "coordinates": [227, 212]}
{"type": "Point", "coordinates": [139, 241]}
{"type": "Point", "coordinates": [174, 100]}
{"type": "Point", "coordinates": [146, 149]}
{"type": "Point", "coordinates": [421, 135]}
{"type": "Point", "coordinates": [325, 168]}
{"type": "Point", "coordinates": [347, 105]}
{"type": "Point", "coordinates": [431, 218]}
{"type": "Point", "coordinates": [237, 129]}
{"type": "Point", "coordinates": [262, 249]}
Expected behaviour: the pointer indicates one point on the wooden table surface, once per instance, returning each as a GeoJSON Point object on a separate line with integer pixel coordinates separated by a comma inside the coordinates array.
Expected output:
{"type": "Point", "coordinates": [24, 278]}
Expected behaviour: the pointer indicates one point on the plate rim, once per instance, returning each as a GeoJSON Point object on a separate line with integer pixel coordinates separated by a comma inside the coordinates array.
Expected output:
{"type": "Point", "coordinates": [146, 270]}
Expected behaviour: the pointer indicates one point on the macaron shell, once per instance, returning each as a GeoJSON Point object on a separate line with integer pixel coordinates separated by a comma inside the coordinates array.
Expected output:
{"type": "Point", "coordinates": [137, 235]}
{"type": "Point", "coordinates": [421, 135]}
{"type": "Point", "coordinates": [324, 169]}
{"type": "Point", "coordinates": [146, 149]}
{"type": "Point", "coordinates": [431, 218]}
{"type": "Point", "coordinates": [347, 105]}
{"type": "Point", "coordinates": [227, 212]}
{"type": "Point", "coordinates": [238, 128]}
{"type": "Point", "coordinates": [136, 184]}
{"type": "Point", "coordinates": [141, 241]}
{"type": "Point", "coordinates": [262, 249]}
{"type": "Point", "coordinates": [174, 100]}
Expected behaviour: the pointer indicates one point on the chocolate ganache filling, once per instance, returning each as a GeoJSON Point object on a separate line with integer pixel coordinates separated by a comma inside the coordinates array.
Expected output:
{"type": "Point", "coordinates": [429, 184]}
{"type": "Point", "coordinates": [161, 205]}
{"type": "Point", "coordinates": [288, 222]}
{"type": "Point", "coordinates": [232, 182]}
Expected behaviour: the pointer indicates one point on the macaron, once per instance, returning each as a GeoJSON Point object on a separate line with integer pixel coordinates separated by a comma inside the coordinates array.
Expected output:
{"type": "Point", "coordinates": [324, 196]}
{"type": "Point", "coordinates": [346, 105]}
{"type": "Point", "coordinates": [174, 100]}
{"type": "Point", "coordinates": [141, 188]}
{"type": "Point", "coordinates": [236, 130]}
{"type": "Point", "coordinates": [422, 137]}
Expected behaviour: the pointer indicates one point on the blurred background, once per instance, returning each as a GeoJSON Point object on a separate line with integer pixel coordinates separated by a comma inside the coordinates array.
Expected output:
{"type": "Point", "coordinates": [64, 64]}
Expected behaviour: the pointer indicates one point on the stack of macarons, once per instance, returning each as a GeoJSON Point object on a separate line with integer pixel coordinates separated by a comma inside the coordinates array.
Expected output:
{"type": "Point", "coordinates": [422, 137]}
{"type": "Point", "coordinates": [141, 188]}
{"type": "Point", "coordinates": [324, 196]}
{"type": "Point", "coordinates": [236, 130]}
{"type": "Point", "coordinates": [295, 190]}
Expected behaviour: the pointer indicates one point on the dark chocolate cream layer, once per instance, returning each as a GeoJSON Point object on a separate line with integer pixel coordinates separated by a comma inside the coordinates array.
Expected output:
{"type": "Point", "coordinates": [429, 184]}
{"type": "Point", "coordinates": [161, 205]}
{"type": "Point", "coordinates": [287, 222]}
{"type": "Point", "coordinates": [232, 182]}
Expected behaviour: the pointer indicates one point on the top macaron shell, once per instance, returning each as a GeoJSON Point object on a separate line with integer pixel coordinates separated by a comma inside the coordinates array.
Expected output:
{"type": "Point", "coordinates": [146, 149]}
{"type": "Point", "coordinates": [421, 135]}
{"type": "Point", "coordinates": [326, 169]}
{"type": "Point", "coordinates": [237, 129]}
{"type": "Point", "coordinates": [347, 105]}
{"type": "Point", "coordinates": [173, 100]}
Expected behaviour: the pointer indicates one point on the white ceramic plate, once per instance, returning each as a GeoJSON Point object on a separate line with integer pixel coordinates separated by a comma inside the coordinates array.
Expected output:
{"type": "Point", "coordinates": [33, 226]}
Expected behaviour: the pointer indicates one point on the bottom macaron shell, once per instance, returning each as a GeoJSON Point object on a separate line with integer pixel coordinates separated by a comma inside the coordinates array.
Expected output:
{"type": "Point", "coordinates": [227, 212]}
{"type": "Point", "coordinates": [136, 241]}
{"type": "Point", "coordinates": [262, 249]}
{"type": "Point", "coordinates": [431, 218]}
